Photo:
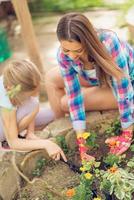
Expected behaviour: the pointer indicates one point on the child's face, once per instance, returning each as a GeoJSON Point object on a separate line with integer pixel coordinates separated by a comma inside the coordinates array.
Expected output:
{"type": "Point", "coordinates": [34, 92]}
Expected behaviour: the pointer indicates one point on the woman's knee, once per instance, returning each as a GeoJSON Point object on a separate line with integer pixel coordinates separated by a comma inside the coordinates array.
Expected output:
{"type": "Point", "coordinates": [53, 77]}
{"type": "Point", "coordinates": [49, 76]}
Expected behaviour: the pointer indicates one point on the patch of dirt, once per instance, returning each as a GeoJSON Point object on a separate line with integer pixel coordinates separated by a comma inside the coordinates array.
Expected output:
{"type": "Point", "coordinates": [56, 178]}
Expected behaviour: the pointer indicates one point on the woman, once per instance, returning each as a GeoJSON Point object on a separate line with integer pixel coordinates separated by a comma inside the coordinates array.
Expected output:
{"type": "Point", "coordinates": [97, 72]}
{"type": "Point", "coordinates": [19, 109]}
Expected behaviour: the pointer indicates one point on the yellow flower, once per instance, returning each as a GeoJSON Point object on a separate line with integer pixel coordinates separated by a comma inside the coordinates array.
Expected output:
{"type": "Point", "coordinates": [88, 175]}
{"type": "Point", "coordinates": [117, 143]}
{"type": "Point", "coordinates": [70, 192]}
{"type": "Point", "coordinates": [82, 169]}
{"type": "Point", "coordinates": [79, 135]}
{"type": "Point", "coordinates": [86, 135]}
{"type": "Point", "coordinates": [81, 145]}
{"type": "Point", "coordinates": [97, 198]}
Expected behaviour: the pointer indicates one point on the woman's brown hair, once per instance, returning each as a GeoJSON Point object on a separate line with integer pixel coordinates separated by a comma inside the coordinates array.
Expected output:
{"type": "Point", "coordinates": [76, 27]}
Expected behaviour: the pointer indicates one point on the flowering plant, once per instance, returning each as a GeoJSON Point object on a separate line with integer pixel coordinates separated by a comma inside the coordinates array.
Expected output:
{"type": "Point", "coordinates": [84, 191]}
{"type": "Point", "coordinates": [118, 181]}
{"type": "Point", "coordinates": [89, 138]}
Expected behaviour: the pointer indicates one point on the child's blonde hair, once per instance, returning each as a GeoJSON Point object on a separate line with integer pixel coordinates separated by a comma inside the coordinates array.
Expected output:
{"type": "Point", "coordinates": [22, 73]}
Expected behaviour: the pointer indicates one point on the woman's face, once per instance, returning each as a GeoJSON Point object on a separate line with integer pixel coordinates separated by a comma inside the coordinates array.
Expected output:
{"type": "Point", "coordinates": [73, 49]}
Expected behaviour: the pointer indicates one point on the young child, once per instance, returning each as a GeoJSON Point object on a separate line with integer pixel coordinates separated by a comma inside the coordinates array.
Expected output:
{"type": "Point", "coordinates": [19, 109]}
{"type": "Point", "coordinates": [96, 73]}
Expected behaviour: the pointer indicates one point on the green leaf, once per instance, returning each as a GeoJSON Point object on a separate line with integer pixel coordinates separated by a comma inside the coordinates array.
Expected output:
{"type": "Point", "coordinates": [97, 164]}
{"type": "Point", "coordinates": [112, 159]}
{"type": "Point", "coordinates": [120, 194]}
{"type": "Point", "coordinates": [130, 164]}
{"type": "Point", "coordinates": [132, 147]}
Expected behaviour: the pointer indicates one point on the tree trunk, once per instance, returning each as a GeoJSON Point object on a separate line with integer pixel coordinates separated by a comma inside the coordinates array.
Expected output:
{"type": "Point", "coordinates": [27, 30]}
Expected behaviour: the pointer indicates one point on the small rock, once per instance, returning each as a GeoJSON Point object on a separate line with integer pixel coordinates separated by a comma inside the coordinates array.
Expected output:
{"type": "Point", "coordinates": [59, 127]}
{"type": "Point", "coordinates": [70, 139]}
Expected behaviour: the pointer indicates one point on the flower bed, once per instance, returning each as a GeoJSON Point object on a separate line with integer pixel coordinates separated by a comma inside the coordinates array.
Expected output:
{"type": "Point", "coordinates": [107, 177]}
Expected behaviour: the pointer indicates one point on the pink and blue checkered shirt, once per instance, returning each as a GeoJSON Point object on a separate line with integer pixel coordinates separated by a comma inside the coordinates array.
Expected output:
{"type": "Point", "coordinates": [123, 54]}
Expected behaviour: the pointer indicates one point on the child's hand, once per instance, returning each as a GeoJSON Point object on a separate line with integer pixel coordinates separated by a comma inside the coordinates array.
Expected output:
{"type": "Point", "coordinates": [32, 136]}
{"type": "Point", "coordinates": [54, 151]}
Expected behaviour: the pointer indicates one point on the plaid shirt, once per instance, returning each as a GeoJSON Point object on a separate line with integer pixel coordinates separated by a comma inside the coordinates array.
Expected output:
{"type": "Point", "coordinates": [123, 54]}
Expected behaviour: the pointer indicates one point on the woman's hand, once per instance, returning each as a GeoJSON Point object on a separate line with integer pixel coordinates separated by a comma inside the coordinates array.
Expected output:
{"type": "Point", "coordinates": [119, 144]}
{"type": "Point", "coordinates": [54, 151]}
{"type": "Point", "coordinates": [81, 141]}
{"type": "Point", "coordinates": [86, 157]}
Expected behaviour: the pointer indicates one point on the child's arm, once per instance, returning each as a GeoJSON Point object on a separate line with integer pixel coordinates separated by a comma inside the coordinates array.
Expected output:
{"type": "Point", "coordinates": [30, 131]}
{"type": "Point", "coordinates": [11, 133]}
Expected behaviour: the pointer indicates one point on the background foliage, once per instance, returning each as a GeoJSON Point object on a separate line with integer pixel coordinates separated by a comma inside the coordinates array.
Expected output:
{"type": "Point", "coordinates": [61, 6]}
